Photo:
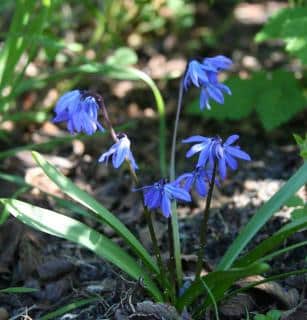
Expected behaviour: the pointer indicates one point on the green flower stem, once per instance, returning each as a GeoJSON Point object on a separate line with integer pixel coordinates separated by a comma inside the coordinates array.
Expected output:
{"type": "Point", "coordinates": [161, 111]}
{"type": "Point", "coordinates": [166, 285]}
{"type": "Point", "coordinates": [172, 270]}
{"type": "Point", "coordinates": [204, 226]}
{"type": "Point", "coordinates": [175, 226]}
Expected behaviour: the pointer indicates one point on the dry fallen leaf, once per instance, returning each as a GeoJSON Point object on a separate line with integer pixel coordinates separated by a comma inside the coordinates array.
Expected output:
{"type": "Point", "coordinates": [289, 298]}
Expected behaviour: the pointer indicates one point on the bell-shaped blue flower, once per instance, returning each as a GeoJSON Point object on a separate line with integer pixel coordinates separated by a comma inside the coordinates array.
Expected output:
{"type": "Point", "coordinates": [119, 152]}
{"type": "Point", "coordinates": [80, 110]}
{"type": "Point", "coordinates": [204, 75]}
{"type": "Point", "coordinates": [213, 149]}
{"type": "Point", "coordinates": [161, 194]}
{"type": "Point", "coordinates": [200, 177]}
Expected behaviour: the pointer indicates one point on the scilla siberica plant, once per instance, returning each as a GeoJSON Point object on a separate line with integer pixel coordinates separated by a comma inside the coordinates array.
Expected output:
{"type": "Point", "coordinates": [80, 109]}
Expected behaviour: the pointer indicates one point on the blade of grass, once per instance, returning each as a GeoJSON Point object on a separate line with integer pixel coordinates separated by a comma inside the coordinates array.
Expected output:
{"type": "Point", "coordinates": [70, 229]}
{"type": "Point", "coordinates": [212, 299]}
{"type": "Point", "coordinates": [262, 216]}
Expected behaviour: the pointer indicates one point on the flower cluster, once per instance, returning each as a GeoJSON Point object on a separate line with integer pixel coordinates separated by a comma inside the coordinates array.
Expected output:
{"type": "Point", "coordinates": [80, 110]}
{"type": "Point", "coordinates": [204, 75]}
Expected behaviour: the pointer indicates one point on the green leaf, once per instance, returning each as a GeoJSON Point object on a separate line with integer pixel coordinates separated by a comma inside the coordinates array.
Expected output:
{"type": "Point", "coordinates": [263, 215]}
{"type": "Point", "coordinates": [288, 24]}
{"type": "Point", "coordinates": [294, 201]}
{"type": "Point", "coordinates": [218, 282]}
{"type": "Point", "coordinates": [281, 102]}
{"type": "Point", "coordinates": [299, 213]}
{"type": "Point", "coordinates": [69, 188]}
{"type": "Point", "coordinates": [274, 27]}
{"type": "Point", "coordinates": [274, 106]}
{"type": "Point", "coordinates": [271, 315]}
{"type": "Point", "coordinates": [123, 57]}
{"type": "Point", "coordinates": [69, 307]}
{"type": "Point", "coordinates": [302, 142]}
{"type": "Point", "coordinates": [272, 242]}
{"type": "Point", "coordinates": [70, 229]}
{"type": "Point", "coordinates": [18, 290]}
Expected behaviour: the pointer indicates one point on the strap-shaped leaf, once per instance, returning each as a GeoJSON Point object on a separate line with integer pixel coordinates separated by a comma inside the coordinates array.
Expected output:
{"type": "Point", "coordinates": [70, 229]}
{"type": "Point", "coordinates": [263, 215]}
{"type": "Point", "coordinates": [272, 242]}
{"type": "Point", "coordinates": [69, 188]}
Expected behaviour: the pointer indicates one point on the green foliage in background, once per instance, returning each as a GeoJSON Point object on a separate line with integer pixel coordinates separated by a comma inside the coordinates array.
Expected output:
{"type": "Point", "coordinates": [275, 97]}
{"type": "Point", "coordinates": [302, 143]}
{"type": "Point", "coordinates": [290, 25]}
{"type": "Point", "coordinates": [271, 315]}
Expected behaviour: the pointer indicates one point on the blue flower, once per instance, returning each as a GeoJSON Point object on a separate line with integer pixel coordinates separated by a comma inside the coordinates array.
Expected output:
{"type": "Point", "coordinates": [200, 177]}
{"type": "Point", "coordinates": [161, 194]}
{"type": "Point", "coordinates": [80, 110]}
{"type": "Point", "coordinates": [213, 149]}
{"type": "Point", "coordinates": [204, 75]}
{"type": "Point", "coordinates": [120, 151]}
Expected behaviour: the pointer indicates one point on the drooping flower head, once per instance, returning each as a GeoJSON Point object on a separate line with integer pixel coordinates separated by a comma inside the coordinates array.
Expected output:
{"type": "Point", "coordinates": [204, 75]}
{"type": "Point", "coordinates": [79, 109]}
{"type": "Point", "coordinates": [213, 149]}
{"type": "Point", "coordinates": [119, 152]}
{"type": "Point", "coordinates": [161, 194]}
{"type": "Point", "coordinates": [200, 177]}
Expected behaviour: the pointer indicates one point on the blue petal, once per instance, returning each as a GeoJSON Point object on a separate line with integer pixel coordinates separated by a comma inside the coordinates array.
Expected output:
{"type": "Point", "coordinates": [105, 156]}
{"type": "Point", "coordinates": [215, 94]}
{"type": "Point", "coordinates": [222, 168]}
{"type": "Point", "coordinates": [177, 193]}
{"type": "Point", "coordinates": [231, 139]}
{"type": "Point", "coordinates": [195, 139]}
{"type": "Point", "coordinates": [68, 101]}
{"type": "Point", "coordinates": [132, 160]}
{"type": "Point", "coordinates": [224, 88]}
{"type": "Point", "coordinates": [201, 187]}
{"type": "Point", "coordinates": [204, 99]}
{"type": "Point", "coordinates": [238, 153]}
{"type": "Point", "coordinates": [181, 178]}
{"type": "Point", "coordinates": [166, 206]}
{"type": "Point", "coordinates": [220, 62]}
{"type": "Point", "coordinates": [120, 155]}
{"type": "Point", "coordinates": [196, 148]}
{"type": "Point", "coordinates": [153, 198]}
{"type": "Point", "coordinates": [232, 162]}
{"type": "Point", "coordinates": [204, 156]}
